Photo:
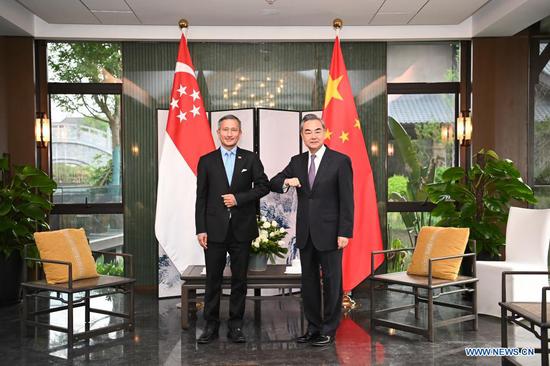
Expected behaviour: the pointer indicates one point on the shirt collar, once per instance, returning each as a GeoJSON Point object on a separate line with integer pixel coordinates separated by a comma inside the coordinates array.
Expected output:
{"type": "Point", "coordinates": [319, 154]}
{"type": "Point", "coordinates": [232, 151]}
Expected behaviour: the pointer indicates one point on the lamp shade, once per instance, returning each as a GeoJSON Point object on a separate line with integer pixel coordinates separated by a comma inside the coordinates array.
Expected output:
{"type": "Point", "coordinates": [464, 128]}
{"type": "Point", "coordinates": [42, 129]}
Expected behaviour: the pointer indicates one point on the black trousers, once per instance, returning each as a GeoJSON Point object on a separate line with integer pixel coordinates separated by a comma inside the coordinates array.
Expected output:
{"type": "Point", "coordinates": [215, 257]}
{"type": "Point", "coordinates": [326, 322]}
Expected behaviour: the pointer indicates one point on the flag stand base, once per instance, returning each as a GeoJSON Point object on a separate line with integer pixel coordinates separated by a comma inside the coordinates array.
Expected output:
{"type": "Point", "coordinates": [349, 304]}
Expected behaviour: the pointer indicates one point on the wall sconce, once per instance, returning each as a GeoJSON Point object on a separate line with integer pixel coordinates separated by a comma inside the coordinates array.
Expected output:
{"type": "Point", "coordinates": [374, 148]}
{"type": "Point", "coordinates": [464, 128]}
{"type": "Point", "coordinates": [390, 149]}
{"type": "Point", "coordinates": [42, 129]}
{"type": "Point", "coordinates": [446, 132]}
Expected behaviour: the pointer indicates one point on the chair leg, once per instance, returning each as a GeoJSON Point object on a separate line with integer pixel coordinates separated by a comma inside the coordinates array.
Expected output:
{"type": "Point", "coordinates": [503, 328]}
{"type": "Point", "coordinates": [474, 306]}
{"type": "Point", "coordinates": [70, 331]}
{"type": "Point", "coordinates": [87, 310]}
{"type": "Point", "coordinates": [25, 313]}
{"type": "Point", "coordinates": [416, 304]}
{"type": "Point", "coordinates": [131, 311]}
{"type": "Point", "coordinates": [431, 330]}
{"type": "Point", "coordinates": [544, 346]}
{"type": "Point", "coordinates": [372, 304]}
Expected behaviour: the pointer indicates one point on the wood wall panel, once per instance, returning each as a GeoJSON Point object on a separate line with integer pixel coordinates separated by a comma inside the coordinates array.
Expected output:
{"type": "Point", "coordinates": [500, 97]}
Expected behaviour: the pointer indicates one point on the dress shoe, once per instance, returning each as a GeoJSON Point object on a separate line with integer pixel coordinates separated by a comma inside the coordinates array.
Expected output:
{"type": "Point", "coordinates": [236, 335]}
{"type": "Point", "coordinates": [208, 335]}
{"type": "Point", "coordinates": [322, 340]}
{"type": "Point", "coordinates": [308, 337]}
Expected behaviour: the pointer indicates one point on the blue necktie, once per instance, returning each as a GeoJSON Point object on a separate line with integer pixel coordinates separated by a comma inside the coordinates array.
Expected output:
{"type": "Point", "coordinates": [229, 165]}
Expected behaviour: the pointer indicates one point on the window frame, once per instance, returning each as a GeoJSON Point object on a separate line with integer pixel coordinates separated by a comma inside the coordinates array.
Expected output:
{"type": "Point", "coordinates": [51, 88]}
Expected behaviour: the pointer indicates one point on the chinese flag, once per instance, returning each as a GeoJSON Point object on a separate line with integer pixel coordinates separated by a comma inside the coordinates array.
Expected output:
{"type": "Point", "coordinates": [344, 135]}
{"type": "Point", "coordinates": [187, 138]}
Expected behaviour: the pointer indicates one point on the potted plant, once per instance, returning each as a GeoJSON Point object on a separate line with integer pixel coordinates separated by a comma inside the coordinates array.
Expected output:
{"type": "Point", "coordinates": [24, 208]}
{"type": "Point", "coordinates": [480, 199]}
{"type": "Point", "coordinates": [267, 245]}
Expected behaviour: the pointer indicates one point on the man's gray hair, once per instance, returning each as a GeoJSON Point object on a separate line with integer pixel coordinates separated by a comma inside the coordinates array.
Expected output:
{"type": "Point", "coordinates": [311, 117]}
{"type": "Point", "coordinates": [229, 116]}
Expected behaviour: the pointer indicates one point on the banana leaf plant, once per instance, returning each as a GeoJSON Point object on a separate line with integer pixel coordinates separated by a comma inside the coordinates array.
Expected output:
{"type": "Point", "coordinates": [418, 178]}
{"type": "Point", "coordinates": [480, 199]}
{"type": "Point", "coordinates": [24, 205]}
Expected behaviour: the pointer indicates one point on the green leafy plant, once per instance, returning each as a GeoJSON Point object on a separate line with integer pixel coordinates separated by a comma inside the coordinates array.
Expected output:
{"type": "Point", "coordinates": [480, 199]}
{"type": "Point", "coordinates": [419, 176]}
{"type": "Point", "coordinates": [398, 261]}
{"type": "Point", "coordinates": [111, 268]}
{"type": "Point", "coordinates": [24, 205]}
{"type": "Point", "coordinates": [269, 241]}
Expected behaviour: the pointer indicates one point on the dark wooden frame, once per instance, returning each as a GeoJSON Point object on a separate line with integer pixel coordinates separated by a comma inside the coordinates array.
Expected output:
{"type": "Point", "coordinates": [434, 287]}
{"type": "Point", "coordinates": [527, 315]}
{"type": "Point", "coordinates": [40, 289]}
{"type": "Point", "coordinates": [273, 278]}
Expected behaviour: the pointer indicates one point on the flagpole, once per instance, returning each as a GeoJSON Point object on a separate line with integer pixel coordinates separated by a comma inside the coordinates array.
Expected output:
{"type": "Point", "coordinates": [184, 25]}
{"type": "Point", "coordinates": [348, 303]}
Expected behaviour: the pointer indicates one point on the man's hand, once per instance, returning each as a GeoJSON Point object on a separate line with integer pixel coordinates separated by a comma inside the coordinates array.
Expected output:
{"type": "Point", "coordinates": [229, 200]}
{"type": "Point", "coordinates": [202, 238]}
{"type": "Point", "coordinates": [342, 242]}
{"type": "Point", "coordinates": [292, 182]}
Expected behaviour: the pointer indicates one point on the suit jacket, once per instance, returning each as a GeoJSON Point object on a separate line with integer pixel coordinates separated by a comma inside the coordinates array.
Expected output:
{"type": "Point", "coordinates": [249, 184]}
{"type": "Point", "coordinates": [325, 211]}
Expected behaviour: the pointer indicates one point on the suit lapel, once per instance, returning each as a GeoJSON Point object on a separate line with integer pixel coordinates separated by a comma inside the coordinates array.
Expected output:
{"type": "Point", "coordinates": [221, 167]}
{"type": "Point", "coordinates": [325, 162]}
{"type": "Point", "coordinates": [304, 170]}
{"type": "Point", "coordinates": [239, 163]}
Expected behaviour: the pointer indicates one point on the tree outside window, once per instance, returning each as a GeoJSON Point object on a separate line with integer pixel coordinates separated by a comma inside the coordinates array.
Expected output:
{"type": "Point", "coordinates": [86, 146]}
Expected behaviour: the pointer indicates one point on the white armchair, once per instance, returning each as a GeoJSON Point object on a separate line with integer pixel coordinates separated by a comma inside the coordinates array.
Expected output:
{"type": "Point", "coordinates": [527, 241]}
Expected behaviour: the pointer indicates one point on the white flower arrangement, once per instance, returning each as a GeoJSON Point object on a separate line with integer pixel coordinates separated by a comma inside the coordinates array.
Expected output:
{"type": "Point", "coordinates": [269, 240]}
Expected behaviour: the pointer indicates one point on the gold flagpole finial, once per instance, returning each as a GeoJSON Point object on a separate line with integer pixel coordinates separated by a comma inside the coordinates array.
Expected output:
{"type": "Point", "coordinates": [183, 23]}
{"type": "Point", "coordinates": [337, 24]}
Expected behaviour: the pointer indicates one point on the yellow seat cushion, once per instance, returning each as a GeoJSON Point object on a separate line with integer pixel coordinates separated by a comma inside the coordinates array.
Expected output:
{"type": "Point", "coordinates": [434, 242]}
{"type": "Point", "coordinates": [69, 245]}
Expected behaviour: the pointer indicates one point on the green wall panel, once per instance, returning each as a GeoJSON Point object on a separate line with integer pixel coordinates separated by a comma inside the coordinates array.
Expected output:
{"type": "Point", "coordinates": [235, 75]}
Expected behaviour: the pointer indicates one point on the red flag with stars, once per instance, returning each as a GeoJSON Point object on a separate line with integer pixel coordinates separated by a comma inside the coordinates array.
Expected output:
{"type": "Point", "coordinates": [187, 138]}
{"type": "Point", "coordinates": [344, 134]}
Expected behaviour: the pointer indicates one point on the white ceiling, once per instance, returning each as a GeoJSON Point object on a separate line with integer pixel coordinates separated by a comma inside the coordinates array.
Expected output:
{"type": "Point", "coordinates": [254, 12]}
{"type": "Point", "coordinates": [270, 20]}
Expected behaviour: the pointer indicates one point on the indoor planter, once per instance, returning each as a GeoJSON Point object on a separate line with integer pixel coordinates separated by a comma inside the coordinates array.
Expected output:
{"type": "Point", "coordinates": [24, 206]}
{"type": "Point", "coordinates": [480, 200]}
{"type": "Point", "coordinates": [267, 245]}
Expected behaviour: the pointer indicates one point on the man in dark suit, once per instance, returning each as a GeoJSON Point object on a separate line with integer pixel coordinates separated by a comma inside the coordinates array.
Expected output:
{"type": "Point", "coordinates": [230, 181]}
{"type": "Point", "coordinates": [323, 179]}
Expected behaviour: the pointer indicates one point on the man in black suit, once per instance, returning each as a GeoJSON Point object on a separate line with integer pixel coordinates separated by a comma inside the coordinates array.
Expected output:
{"type": "Point", "coordinates": [323, 179]}
{"type": "Point", "coordinates": [230, 181]}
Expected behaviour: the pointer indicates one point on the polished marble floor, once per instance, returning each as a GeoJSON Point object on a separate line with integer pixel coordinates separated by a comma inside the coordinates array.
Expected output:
{"type": "Point", "coordinates": [158, 340]}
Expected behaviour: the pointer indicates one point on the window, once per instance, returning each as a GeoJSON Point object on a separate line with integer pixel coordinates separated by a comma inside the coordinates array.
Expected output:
{"type": "Point", "coordinates": [84, 88]}
{"type": "Point", "coordinates": [86, 160]}
{"type": "Point", "coordinates": [541, 145]}
{"type": "Point", "coordinates": [423, 103]}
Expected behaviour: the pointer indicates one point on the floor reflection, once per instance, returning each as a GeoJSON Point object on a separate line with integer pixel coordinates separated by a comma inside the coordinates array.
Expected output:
{"type": "Point", "coordinates": [159, 340]}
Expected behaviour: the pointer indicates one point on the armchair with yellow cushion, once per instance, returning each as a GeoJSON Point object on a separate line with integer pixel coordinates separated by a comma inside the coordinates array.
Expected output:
{"type": "Point", "coordinates": [434, 271]}
{"type": "Point", "coordinates": [71, 278]}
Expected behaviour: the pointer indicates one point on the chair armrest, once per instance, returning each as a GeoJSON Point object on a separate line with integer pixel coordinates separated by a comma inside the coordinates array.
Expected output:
{"type": "Point", "coordinates": [512, 273]}
{"type": "Point", "coordinates": [52, 261]}
{"type": "Point", "coordinates": [384, 252]}
{"type": "Point", "coordinates": [129, 257]}
{"type": "Point", "coordinates": [390, 251]}
{"type": "Point", "coordinates": [437, 259]}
